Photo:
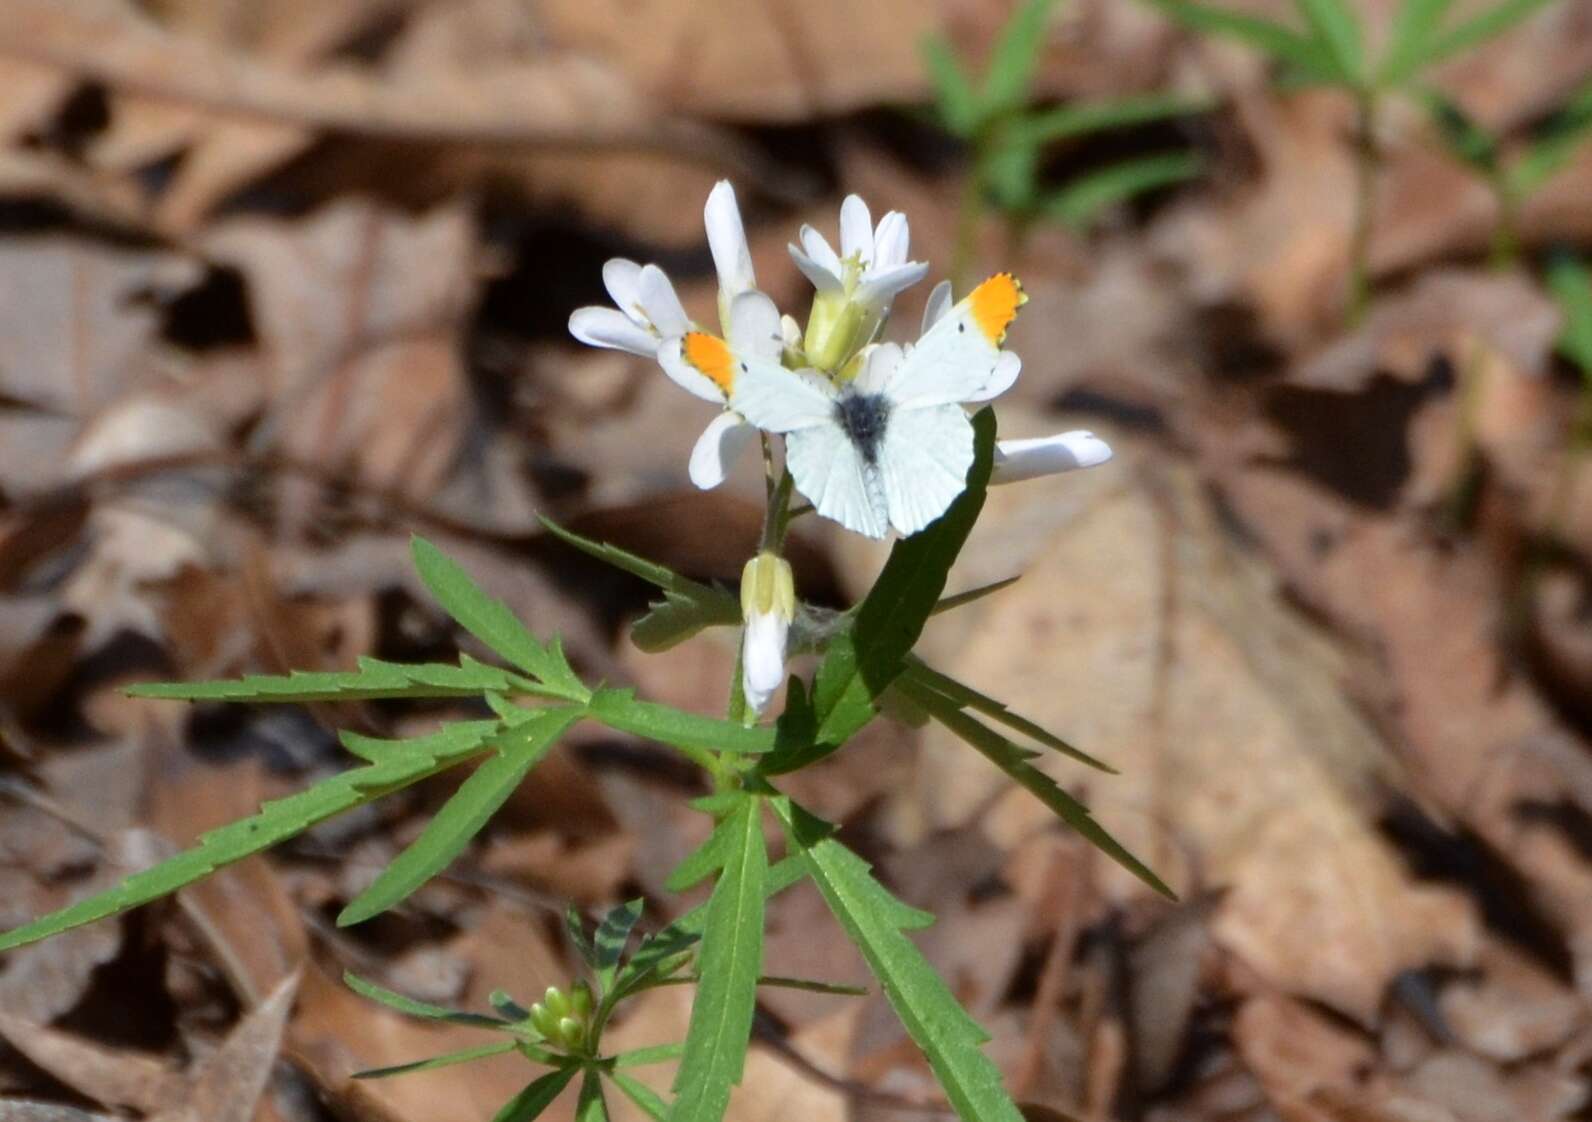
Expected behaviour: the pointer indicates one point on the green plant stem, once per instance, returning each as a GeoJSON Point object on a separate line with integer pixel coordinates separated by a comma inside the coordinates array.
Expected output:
{"type": "Point", "coordinates": [1366, 168]}
{"type": "Point", "coordinates": [968, 215]}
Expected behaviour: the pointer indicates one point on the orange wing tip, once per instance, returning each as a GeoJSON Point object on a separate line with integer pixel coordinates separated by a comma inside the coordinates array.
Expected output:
{"type": "Point", "coordinates": [995, 304]}
{"type": "Point", "coordinates": [710, 354]}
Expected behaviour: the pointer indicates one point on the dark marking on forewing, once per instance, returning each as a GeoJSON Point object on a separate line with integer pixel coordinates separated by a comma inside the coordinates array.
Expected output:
{"type": "Point", "coordinates": [864, 417]}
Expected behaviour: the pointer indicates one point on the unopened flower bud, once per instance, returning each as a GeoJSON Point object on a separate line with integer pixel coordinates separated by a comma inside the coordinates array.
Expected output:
{"type": "Point", "coordinates": [557, 1003]}
{"type": "Point", "coordinates": [571, 1033]}
{"type": "Point", "coordinates": [768, 604]}
{"type": "Point", "coordinates": [1016, 460]}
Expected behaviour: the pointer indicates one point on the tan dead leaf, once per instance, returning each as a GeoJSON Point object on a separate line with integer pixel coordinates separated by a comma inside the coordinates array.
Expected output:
{"type": "Point", "coordinates": [1475, 1090]}
{"type": "Point", "coordinates": [1138, 633]}
{"type": "Point", "coordinates": [17, 1110]}
{"type": "Point", "coordinates": [225, 1086]}
{"type": "Point", "coordinates": [1513, 1010]}
{"type": "Point", "coordinates": [32, 94]}
{"type": "Point", "coordinates": [113, 1077]}
{"type": "Point", "coordinates": [755, 59]}
{"type": "Point", "coordinates": [1294, 1052]}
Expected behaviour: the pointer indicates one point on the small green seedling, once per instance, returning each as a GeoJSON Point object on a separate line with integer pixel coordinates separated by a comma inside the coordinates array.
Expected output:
{"type": "Point", "coordinates": [1009, 136]}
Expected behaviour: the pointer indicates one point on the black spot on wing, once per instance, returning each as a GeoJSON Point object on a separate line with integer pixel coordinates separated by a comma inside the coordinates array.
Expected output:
{"type": "Point", "coordinates": [864, 417]}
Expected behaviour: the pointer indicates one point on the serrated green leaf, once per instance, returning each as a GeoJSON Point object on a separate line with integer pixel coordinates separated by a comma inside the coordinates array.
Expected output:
{"type": "Point", "coordinates": [967, 697]}
{"type": "Point", "coordinates": [953, 91]}
{"type": "Point", "coordinates": [1014, 762]}
{"type": "Point", "coordinates": [1081, 201]}
{"type": "Point", "coordinates": [591, 1107]}
{"type": "Point", "coordinates": [1015, 59]}
{"type": "Point", "coordinates": [612, 935]}
{"type": "Point", "coordinates": [537, 1097]}
{"type": "Point", "coordinates": [1310, 57]}
{"type": "Point", "coordinates": [490, 621]}
{"type": "Point", "coordinates": [645, 1097]}
{"type": "Point", "coordinates": [447, 1059]}
{"type": "Point", "coordinates": [862, 662]}
{"type": "Point", "coordinates": [972, 595]}
{"type": "Point", "coordinates": [656, 1054]}
{"type": "Point", "coordinates": [1479, 28]}
{"type": "Point", "coordinates": [413, 1008]}
{"type": "Point", "coordinates": [1066, 122]}
{"type": "Point", "coordinates": [409, 762]}
{"type": "Point", "coordinates": [519, 749]}
{"type": "Point", "coordinates": [950, 1039]}
{"type": "Point", "coordinates": [1334, 23]}
{"type": "Point", "coordinates": [373, 680]}
{"type": "Point", "coordinates": [1414, 26]}
{"type": "Point", "coordinates": [1571, 286]}
{"type": "Point", "coordinates": [729, 962]}
{"type": "Point", "coordinates": [619, 709]}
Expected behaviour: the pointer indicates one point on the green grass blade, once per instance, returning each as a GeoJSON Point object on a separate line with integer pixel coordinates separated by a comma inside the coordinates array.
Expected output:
{"type": "Point", "coordinates": [1414, 26]}
{"type": "Point", "coordinates": [939, 1026]}
{"type": "Point", "coordinates": [1015, 59]}
{"type": "Point", "coordinates": [1480, 28]}
{"type": "Point", "coordinates": [1309, 56]}
{"type": "Point", "coordinates": [1014, 762]}
{"type": "Point", "coordinates": [619, 709]}
{"type": "Point", "coordinates": [650, 1102]}
{"type": "Point", "coordinates": [374, 680]}
{"type": "Point", "coordinates": [966, 697]}
{"type": "Point", "coordinates": [1571, 286]}
{"type": "Point", "coordinates": [412, 1008]}
{"type": "Point", "coordinates": [953, 92]}
{"type": "Point", "coordinates": [729, 961]}
{"type": "Point", "coordinates": [1082, 200]}
{"type": "Point", "coordinates": [490, 621]}
{"type": "Point", "coordinates": [1335, 24]}
{"type": "Point", "coordinates": [1066, 122]}
{"type": "Point", "coordinates": [519, 749]}
{"type": "Point", "coordinates": [411, 761]}
{"type": "Point", "coordinates": [591, 1107]}
{"type": "Point", "coordinates": [537, 1097]}
{"type": "Point", "coordinates": [610, 941]}
{"type": "Point", "coordinates": [449, 1059]}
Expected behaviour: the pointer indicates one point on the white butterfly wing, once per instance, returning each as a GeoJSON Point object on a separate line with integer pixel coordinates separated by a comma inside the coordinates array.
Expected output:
{"type": "Point", "coordinates": [923, 463]}
{"type": "Point", "coordinates": [959, 358]}
{"type": "Point", "coordinates": [829, 470]}
{"type": "Point", "coordinates": [776, 399]}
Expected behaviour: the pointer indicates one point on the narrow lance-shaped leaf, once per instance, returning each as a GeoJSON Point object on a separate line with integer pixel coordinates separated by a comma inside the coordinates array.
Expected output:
{"type": "Point", "coordinates": [448, 1059]}
{"type": "Point", "coordinates": [519, 749]}
{"type": "Point", "coordinates": [491, 621]}
{"type": "Point", "coordinates": [1572, 288]}
{"type": "Point", "coordinates": [1335, 24]}
{"type": "Point", "coordinates": [1554, 143]}
{"type": "Point", "coordinates": [1414, 27]}
{"type": "Point", "coordinates": [409, 762]}
{"type": "Point", "coordinates": [1081, 201]}
{"type": "Point", "coordinates": [955, 99]}
{"type": "Point", "coordinates": [650, 1102]}
{"type": "Point", "coordinates": [620, 710]}
{"type": "Point", "coordinates": [610, 941]}
{"type": "Point", "coordinates": [373, 680]}
{"type": "Point", "coordinates": [1311, 58]}
{"type": "Point", "coordinates": [950, 1039]}
{"type": "Point", "coordinates": [1014, 762]}
{"type": "Point", "coordinates": [591, 1107]}
{"type": "Point", "coordinates": [1015, 58]}
{"type": "Point", "coordinates": [1082, 118]}
{"type": "Point", "coordinates": [1486, 25]}
{"type": "Point", "coordinates": [424, 1009]}
{"type": "Point", "coordinates": [729, 962]}
{"type": "Point", "coordinates": [537, 1097]}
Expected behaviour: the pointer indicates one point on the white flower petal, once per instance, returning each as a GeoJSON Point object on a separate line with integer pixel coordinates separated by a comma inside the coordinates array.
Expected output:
{"type": "Point", "coordinates": [890, 241]}
{"type": "Point", "coordinates": [1007, 367]}
{"type": "Point", "coordinates": [824, 279]}
{"type": "Point", "coordinates": [791, 331]}
{"type": "Point", "coordinates": [727, 240]}
{"type": "Point", "coordinates": [622, 277]}
{"type": "Point", "coordinates": [763, 658]}
{"type": "Point", "coordinates": [818, 248]}
{"type": "Point", "coordinates": [659, 303]}
{"type": "Point", "coordinates": [1016, 460]}
{"type": "Point", "coordinates": [856, 229]}
{"type": "Point", "coordinates": [877, 366]}
{"type": "Point", "coordinates": [717, 449]}
{"type": "Point", "coordinates": [754, 326]}
{"type": "Point", "coordinates": [607, 327]}
{"type": "Point", "coordinates": [939, 303]}
{"type": "Point", "coordinates": [877, 290]}
{"type": "Point", "coordinates": [686, 376]}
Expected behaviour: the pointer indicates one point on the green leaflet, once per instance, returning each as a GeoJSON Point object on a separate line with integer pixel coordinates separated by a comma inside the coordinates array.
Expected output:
{"type": "Point", "coordinates": [1310, 57]}
{"type": "Point", "coordinates": [1081, 201]}
{"type": "Point", "coordinates": [410, 1007]}
{"type": "Point", "coordinates": [373, 680]}
{"type": "Point", "coordinates": [643, 1096]}
{"type": "Point", "coordinates": [1334, 24]}
{"type": "Point", "coordinates": [610, 940]}
{"type": "Point", "coordinates": [1572, 288]}
{"type": "Point", "coordinates": [729, 962]}
{"type": "Point", "coordinates": [536, 1097]}
{"type": "Point", "coordinates": [591, 1107]}
{"type": "Point", "coordinates": [687, 606]}
{"type": "Point", "coordinates": [1014, 762]}
{"type": "Point", "coordinates": [519, 748]}
{"type": "Point", "coordinates": [448, 1059]}
{"type": "Point", "coordinates": [490, 621]}
{"type": "Point", "coordinates": [408, 762]}
{"type": "Point", "coordinates": [641, 1057]}
{"type": "Point", "coordinates": [1554, 143]}
{"type": "Point", "coordinates": [1485, 25]}
{"type": "Point", "coordinates": [955, 98]}
{"type": "Point", "coordinates": [1015, 59]}
{"type": "Point", "coordinates": [620, 710]}
{"type": "Point", "coordinates": [1414, 26]}
{"type": "Point", "coordinates": [1068, 121]}
{"type": "Point", "coordinates": [966, 697]}
{"type": "Point", "coordinates": [972, 595]}
{"type": "Point", "coordinates": [861, 663]}
{"type": "Point", "coordinates": [873, 919]}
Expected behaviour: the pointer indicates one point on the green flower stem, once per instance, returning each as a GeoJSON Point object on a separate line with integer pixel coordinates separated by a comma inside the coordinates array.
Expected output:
{"type": "Point", "coordinates": [1366, 169]}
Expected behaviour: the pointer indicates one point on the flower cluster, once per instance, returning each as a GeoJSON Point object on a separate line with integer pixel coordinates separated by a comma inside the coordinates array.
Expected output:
{"type": "Point", "coordinates": [875, 433]}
